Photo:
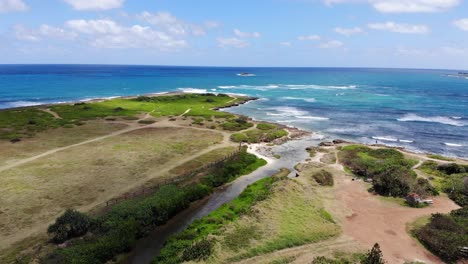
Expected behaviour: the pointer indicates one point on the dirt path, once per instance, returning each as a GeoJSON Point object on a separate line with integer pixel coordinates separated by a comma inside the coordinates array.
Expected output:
{"type": "Point", "coordinates": [372, 220]}
{"type": "Point", "coordinates": [47, 110]}
{"type": "Point", "coordinates": [37, 229]}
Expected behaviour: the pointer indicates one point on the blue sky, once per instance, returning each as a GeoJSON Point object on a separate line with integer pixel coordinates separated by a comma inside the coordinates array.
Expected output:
{"type": "Point", "coordinates": [337, 33]}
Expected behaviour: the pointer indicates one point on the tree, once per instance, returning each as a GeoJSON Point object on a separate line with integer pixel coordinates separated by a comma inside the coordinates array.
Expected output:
{"type": "Point", "coordinates": [374, 256]}
{"type": "Point", "coordinates": [71, 224]}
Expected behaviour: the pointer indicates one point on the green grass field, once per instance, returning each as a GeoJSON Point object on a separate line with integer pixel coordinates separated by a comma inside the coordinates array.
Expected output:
{"type": "Point", "coordinates": [26, 122]}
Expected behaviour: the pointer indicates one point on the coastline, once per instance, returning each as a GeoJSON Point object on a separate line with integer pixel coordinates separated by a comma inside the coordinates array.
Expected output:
{"type": "Point", "coordinates": [295, 131]}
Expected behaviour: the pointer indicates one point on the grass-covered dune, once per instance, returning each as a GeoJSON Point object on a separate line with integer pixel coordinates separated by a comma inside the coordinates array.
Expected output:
{"type": "Point", "coordinates": [390, 171]}
{"type": "Point", "coordinates": [26, 122]}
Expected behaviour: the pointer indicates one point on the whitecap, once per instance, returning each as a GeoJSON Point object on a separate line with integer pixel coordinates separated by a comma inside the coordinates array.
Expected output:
{"type": "Point", "coordinates": [313, 117]}
{"type": "Point", "coordinates": [227, 87]}
{"type": "Point", "coordinates": [405, 141]}
{"type": "Point", "coordinates": [192, 90]}
{"type": "Point", "coordinates": [456, 117]}
{"type": "Point", "coordinates": [453, 145]}
{"type": "Point", "coordinates": [22, 104]}
{"type": "Point", "coordinates": [310, 100]}
{"type": "Point", "coordinates": [386, 139]}
{"type": "Point", "coordinates": [433, 119]}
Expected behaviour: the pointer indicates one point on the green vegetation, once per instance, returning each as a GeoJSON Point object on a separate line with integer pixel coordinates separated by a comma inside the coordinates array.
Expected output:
{"type": "Point", "coordinates": [439, 157]}
{"type": "Point", "coordinates": [450, 178]}
{"type": "Point", "coordinates": [176, 248]}
{"type": "Point", "coordinates": [374, 256]}
{"type": "Point", "coordinates": [446, 235]}
{"type": "Point", "coordinates": [19, 123]}
{"type": "Point", "coordinates": [265, 126]}
{"type": "Point", "coordinates": [116, 231]}
{"type": "Point", "coordinates": [260, 135]}
{"type": "Point", "coordinates": [26, 122]}
{"type": "Point", "coordinates": [323, 177]}
{"type": "Point", "coordinates": [71, 224]}
{"type": "Point", "coordinates": [236, 124]}
{"type": "Point", "coordinates": [391, 172]}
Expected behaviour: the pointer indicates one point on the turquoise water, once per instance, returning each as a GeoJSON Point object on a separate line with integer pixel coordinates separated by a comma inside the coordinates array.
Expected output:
{"type": "Point", "coordinates": [422, 110]}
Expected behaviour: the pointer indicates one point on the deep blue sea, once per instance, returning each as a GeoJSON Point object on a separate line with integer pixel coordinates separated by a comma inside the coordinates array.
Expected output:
{"type": "Point", "coordinates": [421, 110]}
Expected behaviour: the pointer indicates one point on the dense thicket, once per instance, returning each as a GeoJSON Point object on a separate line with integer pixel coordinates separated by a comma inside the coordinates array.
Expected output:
{"type": "Point", "coordinates": [446, 235]}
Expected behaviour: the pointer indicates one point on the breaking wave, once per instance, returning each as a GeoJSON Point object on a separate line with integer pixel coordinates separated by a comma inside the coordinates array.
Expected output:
{"type": "Point", "coordinates": [433, 119]}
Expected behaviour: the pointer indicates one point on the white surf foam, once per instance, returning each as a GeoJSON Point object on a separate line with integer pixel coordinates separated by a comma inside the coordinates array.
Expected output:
{"type": "Point", "coordinates": [453, 145]}
{"type": "Point", "coordinates": [192, 90]}
{"type": "Point", "coordinates": [433, 119]}
{"type": "Point", "coordinates": [310, 100]}
{"type": "Point", "coordinates": [22, 104]}
{"type": "Point", "coordinates": [386, 139]}
{"type": "Point", "coordinates": [313, 117]}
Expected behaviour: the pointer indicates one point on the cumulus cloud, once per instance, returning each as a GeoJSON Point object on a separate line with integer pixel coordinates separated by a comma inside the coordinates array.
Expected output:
{"type": "Point", "coordinates": [331, 44]}
{"type": "Point", "coordinates": [23, 33]}
{"type": "Point", "coordinates": [309, 37]}
{"type": "Point", "coordinates": [404, 6]}
{"type": "Point", "coordinates": [173, 25]}
{"type": "Point", "coordinates": [44, 31]}
{"type": "Point", "coordinates": [348, 31]}
{"type": "Point", "coordinates": [106, 33]}
{"type": "Point", "coordinates": [95, 4]}
{"type": "Point", "coordinates": [286, 44]}
{"type": "Point", "coordinates": [400, 28]}
{"type": "Point", "coordinates": [461, 24]}
{"type": "Point", "coordinates": [100, 26]}
{"type": "Point", "coordinates": [241, 34]}
{"type": "Point", "coordinates": [232, 42]}
{"type": "Point", "coordinates": [7, 6]}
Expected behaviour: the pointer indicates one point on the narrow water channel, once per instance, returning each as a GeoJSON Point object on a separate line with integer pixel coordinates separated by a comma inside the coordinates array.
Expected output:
{"type": "Point", "coordinates": [291, 153]}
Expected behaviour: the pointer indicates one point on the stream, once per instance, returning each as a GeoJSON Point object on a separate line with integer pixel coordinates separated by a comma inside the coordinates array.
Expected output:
{"type": "Point", "coordinates": [291, 152]}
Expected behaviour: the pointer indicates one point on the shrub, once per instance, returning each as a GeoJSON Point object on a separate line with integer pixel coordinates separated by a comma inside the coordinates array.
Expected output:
{"type": "Point", "coordinates": [200, 250]}
{"type": "Point", "coordinates": [374, 256]}
{"type": "Point", "coordinates": [265, 126]}
{"type": "Point", "coordinates": [69, 225]}
{"type": "Point", "coordinates": [323, 177]}
{"type": "Point", "coordinates": [445, 235]}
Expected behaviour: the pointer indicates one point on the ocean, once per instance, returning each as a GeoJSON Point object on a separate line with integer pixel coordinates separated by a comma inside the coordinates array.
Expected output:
{"type": "Point", "coordinates": [421, 110]}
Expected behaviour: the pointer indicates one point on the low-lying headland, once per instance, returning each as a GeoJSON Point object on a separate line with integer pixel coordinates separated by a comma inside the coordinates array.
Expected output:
{"type": "Point", "coordinates": [126, 166]}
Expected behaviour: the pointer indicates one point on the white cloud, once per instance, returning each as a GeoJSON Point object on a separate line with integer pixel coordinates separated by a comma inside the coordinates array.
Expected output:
{"type": "Point", "coordinates": [411, 52]}
{"type": "Point", "coordinates": [348, 31]}
{"type": "Point", "coordinates": [400, 28]}
{"type": "Point", "coordinates": [454, 51]}
{"type": "Point", "coordinates": [7, 6]}
{"type": "Point", "coordinates": [173, 25]}
{"type": "Point", "coordinates": [331, 44]}
{"type": "Point", "coordinates": [138, 37]}
{"type": "Point", "coordinates": [310, 37]}
{"type": "Point", "coordinates": [286, 44]}
{"type": "Point", "coordinates": [212, 24]}
{"type": "Point", "coordinates": [413, 6]}
{"type": "Point", "coordinates": [101, 26]}
{"type": "Point", "coordinates": [241, 34]}
{"type": "Point", "coordinates": [44, 31]}
{"type": "Point", "coordinates": [404, 6]}
{"type": "Point", "coordinates": [22, 33]}
{"type": "Point", "coordinates": [55, 32]}
{"type": "Point", "coordinates": [95, 4]}
{"type": "Point", "coordinates": [461, 24]}
{"type": "Point", "coordinates": [232, 42]}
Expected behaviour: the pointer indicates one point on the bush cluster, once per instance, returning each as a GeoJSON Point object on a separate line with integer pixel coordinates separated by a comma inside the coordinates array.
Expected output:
{"type": "Point", "coordinates": [454, 179]}
{"type": "Point", "coordinates": [323, 177]}
{"type": "Point", "coordinates": [237, 124]}
{"type": "Point", "coordinates": [391, 172]}
{"type": "Point", "coordinates": [446, 235]}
